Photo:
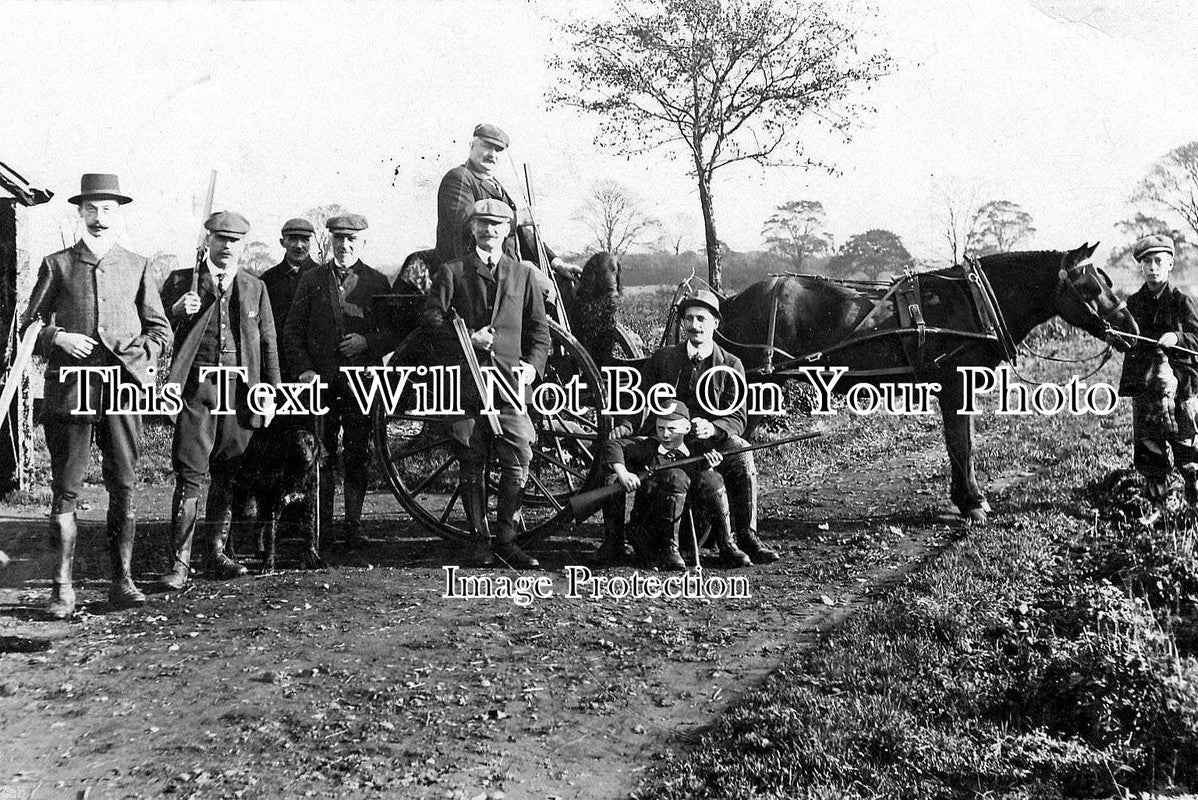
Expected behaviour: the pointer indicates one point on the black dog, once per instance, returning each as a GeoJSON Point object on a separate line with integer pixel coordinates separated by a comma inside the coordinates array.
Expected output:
{"type": "Point", "coordinates": [278, 469]}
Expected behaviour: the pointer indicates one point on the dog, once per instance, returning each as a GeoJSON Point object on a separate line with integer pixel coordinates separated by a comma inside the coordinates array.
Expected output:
{"type": "Point", "coordinates": [279, 470]}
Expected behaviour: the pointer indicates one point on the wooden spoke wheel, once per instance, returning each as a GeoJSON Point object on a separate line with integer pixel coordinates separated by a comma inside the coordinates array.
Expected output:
{"type": "Point", "coordinates": [421, 463]}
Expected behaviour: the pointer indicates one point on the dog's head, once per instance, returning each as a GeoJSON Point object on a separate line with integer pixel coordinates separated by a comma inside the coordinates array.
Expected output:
{"type": "Point", "coordinates": [298, 450]}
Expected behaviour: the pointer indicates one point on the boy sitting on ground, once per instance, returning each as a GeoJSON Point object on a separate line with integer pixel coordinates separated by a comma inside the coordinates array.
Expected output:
{"type": "Point", "coordinates": [662, 495]}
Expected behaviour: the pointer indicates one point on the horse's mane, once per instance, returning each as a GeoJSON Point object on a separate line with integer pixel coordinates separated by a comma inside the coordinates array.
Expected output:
{"type": "Point", "coordinates": [1019, 257]}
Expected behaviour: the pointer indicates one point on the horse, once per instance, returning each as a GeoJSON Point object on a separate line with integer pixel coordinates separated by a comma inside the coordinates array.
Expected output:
{"type": "Point", "coordinates": [818, 322]}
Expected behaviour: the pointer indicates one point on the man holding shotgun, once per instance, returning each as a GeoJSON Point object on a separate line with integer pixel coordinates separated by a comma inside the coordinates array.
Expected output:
{"type": "Point", "coordinates": [101, 309]}
{"type": "Point", "coordinates": [500, 303]}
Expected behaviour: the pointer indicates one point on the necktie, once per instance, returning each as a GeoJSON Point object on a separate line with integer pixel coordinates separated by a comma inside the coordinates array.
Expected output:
{"type": "Point", "coordinates": [491, 266]}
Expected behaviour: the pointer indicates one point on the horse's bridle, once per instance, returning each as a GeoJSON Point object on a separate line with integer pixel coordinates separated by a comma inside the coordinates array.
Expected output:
{"type": "Point", "coordinates": [1069, 283]}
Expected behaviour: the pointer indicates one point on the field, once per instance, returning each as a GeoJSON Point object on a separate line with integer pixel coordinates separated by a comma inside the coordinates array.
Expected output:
{"type": "Point", "coordinates": [891, 653]}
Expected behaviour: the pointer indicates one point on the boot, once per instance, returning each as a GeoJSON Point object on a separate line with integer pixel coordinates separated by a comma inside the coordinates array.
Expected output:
{"type": "Point", "coordinates": [328, 486]}
{"type": "Point", "coordinates": [668, 558]}
{"type": "Point", "coordinates": [614, 551]}
{"type": "Point", "coordinates": [63, 532]}
{"type": "Point", "coordinates": [1189, 474]}
{"type": "Point", "coordinates": [122, 527]}
{"type": "Point", "coordinates": [183, 528]}
{"type": "Point", "coordinates": [474, 501]}
{"type": "Point", "coordinates": [757, 550]}
{"type": "Point", "coordinates": [730, 555]}
{"type": "Point", "coordinates": [354, 496]}
{"type": "Point", "coordinates": [511, 496]}
{"type": "Point", "coordinates": [219, 514]}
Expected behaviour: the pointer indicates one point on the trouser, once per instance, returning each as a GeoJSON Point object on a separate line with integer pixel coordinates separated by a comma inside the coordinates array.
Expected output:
{"type": "Point", "coordinates": [1160, 425]}
{"type": "Point", "coordinates": [739, 472]}
{"type": "Point", "coordinates": [69, 442]}
{"type": "Point", "coordinates": [470, 438]}
{"type": "Point", "coordinates": [346, 434]}
{"type": "Point", "coordinates": [205, 443]}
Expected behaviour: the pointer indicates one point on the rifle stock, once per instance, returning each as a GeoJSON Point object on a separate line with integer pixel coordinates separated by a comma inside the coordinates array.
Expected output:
{"type": "Point", "coordinates": [584, 504]}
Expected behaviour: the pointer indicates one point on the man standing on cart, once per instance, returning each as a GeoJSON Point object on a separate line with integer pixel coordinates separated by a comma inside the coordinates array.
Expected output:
{"type": "Point", "coordinates": [500, 303]}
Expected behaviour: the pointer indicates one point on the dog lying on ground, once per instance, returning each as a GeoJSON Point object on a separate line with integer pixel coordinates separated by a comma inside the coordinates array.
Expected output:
{"type": "Point", "coordinates": [279, 469]}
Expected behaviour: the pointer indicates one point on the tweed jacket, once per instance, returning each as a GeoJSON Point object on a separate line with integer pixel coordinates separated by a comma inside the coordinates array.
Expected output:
{"type": "Point", "coordinates": [1158, 314]}
{"type": "Point", "coordinates": [111, 299]}
{"type": "Point", "coordinates": [460, 189]}
{"type": "Point", "coordinates": [514, 305]}
{"type": "Point", "coordinates": [666, 365]}
{"type": "Point", "coordinates": [257, 346]}
{"type": "Point", "coordinates": [281, 284]}
{"type": "Point", "coordinates": [320, 317]}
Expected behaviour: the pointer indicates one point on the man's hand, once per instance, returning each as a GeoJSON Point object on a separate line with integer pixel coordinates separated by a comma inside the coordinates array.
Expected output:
{"type": "Point", "coordinates": [309, 376]}
{"type": "Point", "coordinates": [627, 479]}
{"type": "Point", "coordinates": [621, 431]}
{"type": "Point", "coordinates": [714, 458]}
{"type": "Point", "coordinates": [187, 304]}
{"type": "Point", "coordinates": [268, 406]}
{"type": "Point", "coordinates": [1168, 340]}
{"type": "Point", "coordinates": [566, 270]}
{"type": "Point", "coordinates": [76, 345]}
{"type": "Point", "coordinates": [524, 373]}
{"type": "Point", "coordinates": [352, 344]}
{"type": "Point", "coordinates": [701, 428]}
{"type": "Point", "coordinates": [483, 339]}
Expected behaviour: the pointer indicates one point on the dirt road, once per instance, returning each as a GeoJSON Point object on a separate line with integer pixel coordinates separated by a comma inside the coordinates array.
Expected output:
{"type": "Point", "coordinates": [362, 680]}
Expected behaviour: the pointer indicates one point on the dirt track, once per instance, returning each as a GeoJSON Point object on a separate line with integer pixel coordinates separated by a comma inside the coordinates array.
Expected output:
{"type": "Point", "coordinates": [361, 680]}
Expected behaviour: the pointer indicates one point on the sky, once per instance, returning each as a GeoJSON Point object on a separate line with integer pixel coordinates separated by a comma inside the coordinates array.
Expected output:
{"type": "Point", "coordinates": [1058, 105]}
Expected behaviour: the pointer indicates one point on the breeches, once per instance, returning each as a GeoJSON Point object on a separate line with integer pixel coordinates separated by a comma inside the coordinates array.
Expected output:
{"type": "Point", "coordinates": [69, 443]}
{"type": "Point", "coordinates": [204, 441]}
{"type": "Point", "coordinates": [513, 448]}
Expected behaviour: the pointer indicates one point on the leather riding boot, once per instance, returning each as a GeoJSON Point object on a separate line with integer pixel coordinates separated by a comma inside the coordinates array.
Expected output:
{"type": "Point", "coordinates": [183, 528]}
{"type": "Point", "coordinates": [740, 481]}
{"type": "Point", "coordinates": [614, 551]}
{"type": "Point", "coordinates": [219, 514]}
{"type": "Point", "coordinates": [1189, 475]}
{"type": "Point", "coordinates": [716, 499]}
{"type": "Point", "coordinates": [63, 532]}
{"type": "Point", "coordinates": [354, 497]}
{"type": "Point", "coordinates": [757, 550]}
{"type": "Point", "coordinates": [122, 528]}
{"type": "Point", "coordinates": [474, 501]}
{"type": "Point", "coordinates": [328, 487]}
{"type": "Point", "coordinates": [509, 500]}
{"type": "Point", "coordinates": [668, 525]}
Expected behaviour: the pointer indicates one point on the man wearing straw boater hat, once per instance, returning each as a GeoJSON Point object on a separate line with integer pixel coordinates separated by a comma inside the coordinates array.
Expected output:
{"type": "Point", "coordinates": [683, 366]}
{"type": "Point", "coordinates": [100, 309]}
{"type": "Point", "coordinates": [465, 185]}
{"type": "Point", "coordinates": [501, 304]}
{"type": "Point", "coordinates": [225, 321]}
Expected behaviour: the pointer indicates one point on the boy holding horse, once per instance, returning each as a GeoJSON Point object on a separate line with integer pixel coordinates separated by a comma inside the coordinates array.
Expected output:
{"type": "Point", "coordinates": [1164, 405]}
{"type": "Point", "coordinates": [663, 491]}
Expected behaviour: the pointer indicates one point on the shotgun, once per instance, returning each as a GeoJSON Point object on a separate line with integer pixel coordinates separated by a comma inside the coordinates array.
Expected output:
{"type": "Point", "coordinates": [476, 373]}
{"type": "Point", "coordinates": [200, 248]}
{"type": "Point", "coordinates": [584, 504]}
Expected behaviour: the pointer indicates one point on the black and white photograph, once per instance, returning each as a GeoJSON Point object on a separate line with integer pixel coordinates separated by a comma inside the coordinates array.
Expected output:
{"type": "Point", "coordinates": [599, 399]}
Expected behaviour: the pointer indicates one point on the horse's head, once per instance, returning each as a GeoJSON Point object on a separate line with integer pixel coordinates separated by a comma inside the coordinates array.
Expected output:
{"type": "Point", "coordinates": [601, 277]}
{"type": "Point", "coordinates": [1084, 298]}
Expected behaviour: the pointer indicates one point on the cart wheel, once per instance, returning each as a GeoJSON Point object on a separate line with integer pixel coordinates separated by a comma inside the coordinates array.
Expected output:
{"type": "Point", "coordinates": [422, 469]}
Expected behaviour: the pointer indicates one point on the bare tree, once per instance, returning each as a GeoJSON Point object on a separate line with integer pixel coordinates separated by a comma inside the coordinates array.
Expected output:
{"type": "Point", "coordinates": [998, 226]}
{"type": "Point", "coordinates": [959, 209]}
{"type": "Point", "coordinates": [722, 81]}
{"type": "Point", "coordinates": [255, 258]}
{"type": "Point", "coordinates": [614, 216]}
{"type": "Point", "coordinates": [1172, 184]}
{"type": "Point", "coordinates": [796, 230]}
{"type": "Point", "coordinates": [674, 232]}
{"type": "Point", "coordinates": [318, 217]}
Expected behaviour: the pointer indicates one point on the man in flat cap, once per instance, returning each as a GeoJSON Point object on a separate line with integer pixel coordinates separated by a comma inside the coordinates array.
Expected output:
{"type": "Point", "coordinates": [100, 309]}
{"type": "Point", "coordinates": [465, 185]}
{"type": "Point", "coordinates": [332, 324]}
{"type": "Point", "coordinates": [1161, 380]}
{"type": "Point", "coordinates": [222, 318]}
{"type": "Point", "coordinates": [282, 279]}
{"type": "Point", "coordinates": [501, 303]}
{"type": "Point", "coordinates": [683, 366]}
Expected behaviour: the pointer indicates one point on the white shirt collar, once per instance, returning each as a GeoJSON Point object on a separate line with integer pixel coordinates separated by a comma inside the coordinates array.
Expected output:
{"type": "Point", "coordinates": [224, 276]}
{"type": "Point", "coordinates": [662, 449]}
{"type": "Point", "coordinates": [337, 265]}
{"type": "Point", "coordinates": [99, 246]}
{"type": "Point", "coordinates": [703, 351]}
{"type": "Point", "coordinates": [484, 256]}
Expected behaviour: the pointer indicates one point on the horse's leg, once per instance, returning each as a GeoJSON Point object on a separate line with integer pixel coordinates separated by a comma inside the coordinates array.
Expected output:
{"type": "Point", "coordinates": [958, 438]}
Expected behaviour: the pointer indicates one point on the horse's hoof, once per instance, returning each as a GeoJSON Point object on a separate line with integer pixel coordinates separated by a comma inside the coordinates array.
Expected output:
{"type": "Point", "coordinates": [975, 517]}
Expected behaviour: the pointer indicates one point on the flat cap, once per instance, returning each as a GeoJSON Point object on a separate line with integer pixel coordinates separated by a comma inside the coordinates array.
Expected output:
{"type": "Point", "coordinates": [1156, 243]}
{"type": "Point", "coordinates": [702, 297]}
{"type": "Point", "coordinates": [298, 226]}
{"type": "Point", "coordinates": [491, 210]}
{"type": "Point", "coordinates": [676, 411]}
{"type": "Point", "coordinates": [491, 133]}
{"type": "Point", "coordinates": [347, 223]}
{"type": "Point", "coordinates": [228, 223]}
